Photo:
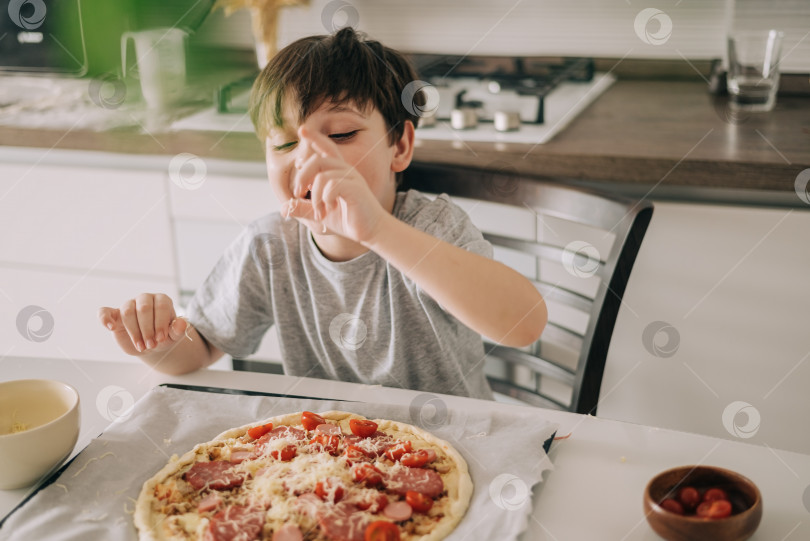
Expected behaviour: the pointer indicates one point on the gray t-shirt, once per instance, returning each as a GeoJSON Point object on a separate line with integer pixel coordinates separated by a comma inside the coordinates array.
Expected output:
{"type": "Point", "coordinates": [360, 320]}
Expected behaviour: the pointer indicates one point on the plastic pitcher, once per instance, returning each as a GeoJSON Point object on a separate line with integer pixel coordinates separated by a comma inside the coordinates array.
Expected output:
{"type": "Point", "coordinates": [161, 57]}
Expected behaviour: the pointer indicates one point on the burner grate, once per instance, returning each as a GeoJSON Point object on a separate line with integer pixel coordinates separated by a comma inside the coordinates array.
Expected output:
{"type": "Point", "coordinates": [525, 76]}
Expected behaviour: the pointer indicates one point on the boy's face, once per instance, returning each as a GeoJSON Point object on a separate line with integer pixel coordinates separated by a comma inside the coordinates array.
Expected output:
{"type": "Point", "coordinates": [361, 137]}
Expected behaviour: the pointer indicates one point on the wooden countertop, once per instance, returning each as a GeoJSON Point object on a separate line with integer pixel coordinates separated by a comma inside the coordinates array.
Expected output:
{"type": "Point", "coordinates": [644, 133]}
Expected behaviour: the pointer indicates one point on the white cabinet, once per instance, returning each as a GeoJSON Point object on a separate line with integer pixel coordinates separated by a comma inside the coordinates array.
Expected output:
{"type": "Point", "coordinates": [74, 238]}
{"type": "Point", "coordinates": [95, 219]}
{"type": "Point", "coordinates": [62, 322]}
{"type": "Point", "coordinates": [712, 336]}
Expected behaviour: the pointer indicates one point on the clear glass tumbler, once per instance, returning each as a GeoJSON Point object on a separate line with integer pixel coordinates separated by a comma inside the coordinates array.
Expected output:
{"type": "Point", "coordinates": [753, 68]}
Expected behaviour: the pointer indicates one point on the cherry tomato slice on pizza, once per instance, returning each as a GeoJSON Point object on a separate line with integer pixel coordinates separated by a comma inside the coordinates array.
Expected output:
{"type": "Point", "coordinates": [417, 459]}
{"type": "Point", "coordinates": [362, 427]}
{"type": "Point", "coordinates": [353, 453]}
{"type": "Point", "coordinates": [287, 453]}
{"type": "Point", "coordinates": [257, 432]}
{"type": "Point", "coordinates": [311, 420]}
{"type": "Point", "coordinates": [328, 443]}
{"type": "Point", "coordinates": [418, 501]}
{"type": "Point", "coordinates": [381, 530]}
{"type": "Point", "coordinates": [325, 491]}
{"type": "Point", "coordinates": [396, 451]}
{"type": "Point", "coordinates": [366, 473]}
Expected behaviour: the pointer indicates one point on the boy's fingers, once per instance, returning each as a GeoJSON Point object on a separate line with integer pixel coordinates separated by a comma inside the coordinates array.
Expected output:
{"type": "Point", "coordinates": [109, 317]}
{"type": "Point", "coordinates": [177, 329]}
{"type": "Point", "coordinates": [145, 308]}
{"type": "Point", "coordinates": [129, 318]}
{"type": "Point", "coordinates": [164, 314]}
{"type": "Point", "coordinates": [317, 196]}
{"type": "Point", "coordinates": [298, 208]}
{"type": "Point", "coordinates": [330, 195]}
{"type": "Point", "coordinates": [320, 142]}
{"type": "Point", "coordinates": [309, 170]}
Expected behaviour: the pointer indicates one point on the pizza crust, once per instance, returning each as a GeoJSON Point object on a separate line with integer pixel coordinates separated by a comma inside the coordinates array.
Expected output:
{"type": "Point", "coordinates": [458, 484]}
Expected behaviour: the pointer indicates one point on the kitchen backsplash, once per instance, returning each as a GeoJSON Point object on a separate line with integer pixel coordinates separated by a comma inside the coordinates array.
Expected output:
{"type": "Point", "coordinates": [692, 29]}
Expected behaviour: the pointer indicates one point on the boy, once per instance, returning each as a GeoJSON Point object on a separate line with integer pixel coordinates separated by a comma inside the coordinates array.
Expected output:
{"type": "Point", "coordinates": [410, 279]}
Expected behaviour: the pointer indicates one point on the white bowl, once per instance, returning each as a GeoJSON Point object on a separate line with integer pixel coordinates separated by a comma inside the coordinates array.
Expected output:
{"type": "Point", "coordinates": [46, 415]}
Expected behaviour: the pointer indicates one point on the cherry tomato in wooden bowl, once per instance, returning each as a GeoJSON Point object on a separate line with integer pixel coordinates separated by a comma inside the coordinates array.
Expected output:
{"type": "Point", "coordinates": [714, 503]}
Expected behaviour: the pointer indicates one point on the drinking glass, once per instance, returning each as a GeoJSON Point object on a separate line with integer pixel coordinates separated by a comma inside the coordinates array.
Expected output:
{"type": "Point", "coordinates": [753, 69]}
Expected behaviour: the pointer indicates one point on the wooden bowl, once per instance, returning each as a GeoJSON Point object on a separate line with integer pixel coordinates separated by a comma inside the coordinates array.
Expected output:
{"type": "Point", "coordinates": [746, 502]}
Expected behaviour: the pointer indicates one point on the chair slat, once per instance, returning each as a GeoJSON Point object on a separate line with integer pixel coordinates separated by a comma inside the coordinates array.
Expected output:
{"type": "Point", "coordinates": [541, 366]}
{"type": "Point", "coordinates": [525, 395]}
{"type": "Point", "coordinates": [548, 252]}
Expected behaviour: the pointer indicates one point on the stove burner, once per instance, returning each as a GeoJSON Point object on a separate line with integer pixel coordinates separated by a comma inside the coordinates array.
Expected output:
{"type": "Point", "coordinates": [531, 78]}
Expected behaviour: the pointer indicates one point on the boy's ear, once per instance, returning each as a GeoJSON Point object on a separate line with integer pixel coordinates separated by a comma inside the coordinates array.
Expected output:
{"type": "Point", "coordinates": [403, 149]}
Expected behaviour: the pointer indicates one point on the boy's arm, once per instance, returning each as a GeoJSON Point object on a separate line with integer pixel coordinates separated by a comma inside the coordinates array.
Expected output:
{"type": "Point", "coordinates": [188, 352]}
{"type": "Point", "coordinates": [487, 296]}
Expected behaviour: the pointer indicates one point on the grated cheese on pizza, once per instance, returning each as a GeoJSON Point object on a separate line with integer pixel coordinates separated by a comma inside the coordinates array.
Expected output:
{"type": "Point", "coordinates": [299, 482]}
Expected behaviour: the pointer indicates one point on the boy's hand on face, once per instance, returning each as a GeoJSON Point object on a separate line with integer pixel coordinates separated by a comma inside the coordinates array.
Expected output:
{"type": "Point", "coordinates": [340, 199]}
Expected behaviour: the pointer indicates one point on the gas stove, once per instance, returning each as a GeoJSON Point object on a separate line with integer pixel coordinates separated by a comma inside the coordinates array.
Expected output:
{"type": "Point", "coordinates": [506, 99]}
{"type": "Point", "coordinates": [474, 99]}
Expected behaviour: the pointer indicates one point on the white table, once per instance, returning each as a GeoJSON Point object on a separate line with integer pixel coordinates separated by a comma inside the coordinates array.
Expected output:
{"type": "Point", "coordinates": [600, 471]}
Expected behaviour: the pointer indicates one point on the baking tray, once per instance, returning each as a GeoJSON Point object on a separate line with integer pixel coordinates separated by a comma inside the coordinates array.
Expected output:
{"type": "Point", "coordinates": [53, 477]}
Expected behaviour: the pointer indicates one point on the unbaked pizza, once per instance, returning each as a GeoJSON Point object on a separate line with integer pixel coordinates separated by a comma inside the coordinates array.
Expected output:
{"type": "Point", "coordinates": [332, 476]}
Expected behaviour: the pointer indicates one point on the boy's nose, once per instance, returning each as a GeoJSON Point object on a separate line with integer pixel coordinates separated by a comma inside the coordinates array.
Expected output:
{"type": "Point", "coordinates": [303, 151]}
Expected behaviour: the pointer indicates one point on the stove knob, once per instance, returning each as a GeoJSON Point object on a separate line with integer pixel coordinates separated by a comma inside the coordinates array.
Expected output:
{"type": "Point", "coordinates": [464, 118]}
{"type": "Point", "coordinates": [507, 121]}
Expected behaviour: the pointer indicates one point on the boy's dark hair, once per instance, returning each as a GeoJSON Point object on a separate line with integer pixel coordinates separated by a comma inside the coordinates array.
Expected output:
{"type": "Point", "coordinates": [344, 68]}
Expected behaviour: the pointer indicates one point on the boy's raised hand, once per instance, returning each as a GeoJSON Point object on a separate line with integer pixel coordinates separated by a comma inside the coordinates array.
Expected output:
{"type": "Point", "coordinates": [340, 198]}
{"type": "Point", "coordinates": [145, 324]}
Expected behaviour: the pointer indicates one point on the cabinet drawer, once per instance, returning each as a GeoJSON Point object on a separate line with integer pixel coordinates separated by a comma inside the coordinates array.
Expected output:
{"type": "Point", "coordinates": [69, 303]}
{"type": "Point", "coordinates": [85, 218]}
{"type": "Point", "coordinates": [229, 199]}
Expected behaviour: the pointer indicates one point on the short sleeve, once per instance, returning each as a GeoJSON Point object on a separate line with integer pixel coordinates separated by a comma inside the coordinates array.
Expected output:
{"type": "Point", "coordinates": [232, 309]}
{"type": "Point", "coordinates": [445, 220]}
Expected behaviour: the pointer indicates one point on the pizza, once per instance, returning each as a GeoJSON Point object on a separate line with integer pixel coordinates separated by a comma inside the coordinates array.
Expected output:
{"type": "Point", "coordinates": [334, 476]}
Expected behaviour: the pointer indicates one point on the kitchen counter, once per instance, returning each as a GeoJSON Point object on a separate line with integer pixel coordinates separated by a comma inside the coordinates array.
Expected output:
{"type": "Point", "coordinates": [640, 134]}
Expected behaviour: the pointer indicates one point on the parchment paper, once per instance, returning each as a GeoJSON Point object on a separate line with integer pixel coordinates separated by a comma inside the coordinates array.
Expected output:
{"type": "Point", "coordinates": [94, 498]}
